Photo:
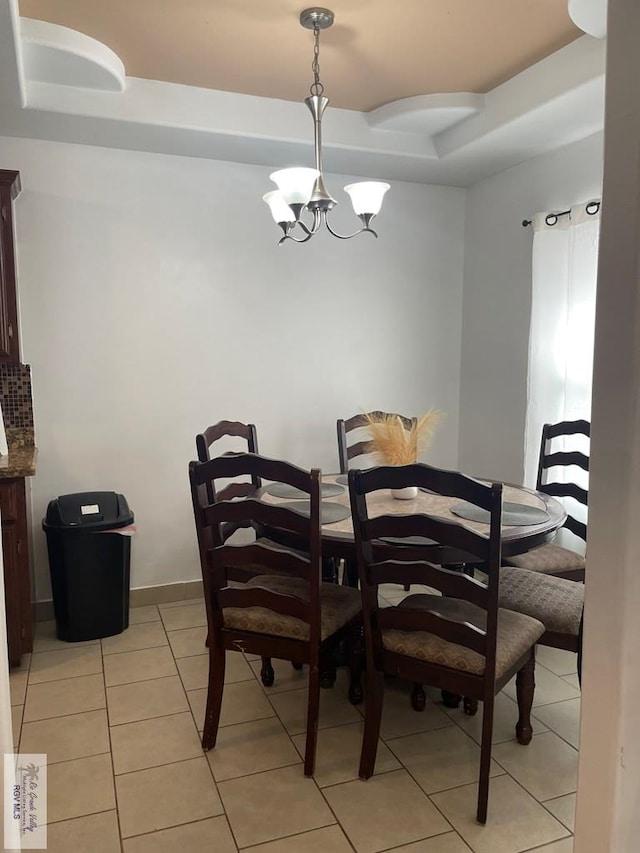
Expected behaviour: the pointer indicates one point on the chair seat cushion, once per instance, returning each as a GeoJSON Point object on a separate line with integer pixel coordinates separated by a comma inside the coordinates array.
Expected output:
{"type": "Point", "coordinates": [338, 605]}
{"type": "Point", "coordinates": [516, 634]}
{"type": "Point", "coordinates": [549, 559]}
{"type": "Point", "coordinates": [556, 602]}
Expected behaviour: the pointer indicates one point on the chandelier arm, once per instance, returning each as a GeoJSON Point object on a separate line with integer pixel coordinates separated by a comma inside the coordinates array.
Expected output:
{"type": "Point", "coordinates": [348, 236]}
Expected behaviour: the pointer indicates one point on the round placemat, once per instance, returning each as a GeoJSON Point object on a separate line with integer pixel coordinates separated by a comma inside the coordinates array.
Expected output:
{"type": "Point", "coordinates": [512, 514]}
{"type": "Point", "coordinates": [343, 478]}
{"type": "Point", "coordinates": [330, 512]}
{"type": "Point", "coordinates": [284, 490]}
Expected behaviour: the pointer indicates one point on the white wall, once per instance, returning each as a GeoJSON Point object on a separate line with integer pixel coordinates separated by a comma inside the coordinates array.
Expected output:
{"type": "Point", "coordinates": [155, 300]}
{"type": "Point", "coordinates": [497, 299]}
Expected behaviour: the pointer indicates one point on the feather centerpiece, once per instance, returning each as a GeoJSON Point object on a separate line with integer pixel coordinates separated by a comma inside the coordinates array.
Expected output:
{"type": "Point", "coordinates": [397, 444]}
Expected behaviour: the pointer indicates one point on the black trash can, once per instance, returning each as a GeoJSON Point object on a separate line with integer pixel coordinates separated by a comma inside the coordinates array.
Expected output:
{"type": "Point", "coordinates": [89, 568]}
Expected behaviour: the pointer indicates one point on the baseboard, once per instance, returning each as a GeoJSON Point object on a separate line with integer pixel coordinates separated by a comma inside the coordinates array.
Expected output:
{"type": "Point", "coordinates": [165, 594]}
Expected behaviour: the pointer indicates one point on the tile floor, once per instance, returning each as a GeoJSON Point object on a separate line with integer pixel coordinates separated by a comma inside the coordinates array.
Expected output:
{"type": "Point", "coordinates": [120, 720]}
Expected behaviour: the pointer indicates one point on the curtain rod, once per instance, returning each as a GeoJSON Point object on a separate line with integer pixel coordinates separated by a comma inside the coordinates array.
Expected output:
{"type": "Point", "coordinates": [552, 218]}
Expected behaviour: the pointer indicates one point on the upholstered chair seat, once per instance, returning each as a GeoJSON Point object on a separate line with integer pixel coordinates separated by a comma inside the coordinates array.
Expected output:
{"type": "Point", "coordinates": [338, 605]}
{"type": "Point", "coordinates": [516, 634]}
{"type": "Point", "coordinates": [549, 559]}
{"type": "Point", "coordinates": [556, 602]}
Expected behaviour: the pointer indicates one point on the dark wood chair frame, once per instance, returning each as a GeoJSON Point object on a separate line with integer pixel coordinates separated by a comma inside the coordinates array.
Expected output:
{"type": "Point", "coordinates": [204, 442]}
{"type": "Point", "coordinates": [383, 563]}
{"type": "Point", "coordinates": [221, 557]}
{"type": "Point", "coordinates": [549, 459]}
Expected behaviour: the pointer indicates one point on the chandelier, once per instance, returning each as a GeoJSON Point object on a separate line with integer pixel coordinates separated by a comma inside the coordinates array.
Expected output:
{"type": "Point", "coordinates": [302, 190]}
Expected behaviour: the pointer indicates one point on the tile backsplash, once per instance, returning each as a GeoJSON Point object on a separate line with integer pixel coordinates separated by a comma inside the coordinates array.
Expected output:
{"type": "Point", "coordinates": [15, 397]}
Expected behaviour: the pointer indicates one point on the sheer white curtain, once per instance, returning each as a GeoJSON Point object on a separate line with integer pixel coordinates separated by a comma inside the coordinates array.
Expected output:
{"type": "Point", "coordinates": [564, 272]}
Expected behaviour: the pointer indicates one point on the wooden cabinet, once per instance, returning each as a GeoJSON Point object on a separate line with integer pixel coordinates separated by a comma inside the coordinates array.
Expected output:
{"type": "Point", "coordinates": [9, 340]}
{"type": "Point", "coordinates": [17, 588]}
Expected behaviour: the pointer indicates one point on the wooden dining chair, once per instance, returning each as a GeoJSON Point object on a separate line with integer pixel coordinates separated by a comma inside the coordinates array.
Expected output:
{"type": "Point", "coordinates": [550, 558]}
{"type": "Point", "coordinates": [461, 641]}
{"type": "Point", "coordinates": [290, 615]}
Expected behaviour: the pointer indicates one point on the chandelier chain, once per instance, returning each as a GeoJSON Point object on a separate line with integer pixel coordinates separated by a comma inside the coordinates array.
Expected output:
{"type": "Point", "coordinates": [316, 87]}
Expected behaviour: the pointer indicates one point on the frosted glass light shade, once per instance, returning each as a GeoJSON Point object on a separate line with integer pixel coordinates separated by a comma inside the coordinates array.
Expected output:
{"type": "Point", "coordinates": [296, 185]}
{"type": "Point", "coordinates": [366, 196]}
{"type": "Point", "coordinates": [279, 208]}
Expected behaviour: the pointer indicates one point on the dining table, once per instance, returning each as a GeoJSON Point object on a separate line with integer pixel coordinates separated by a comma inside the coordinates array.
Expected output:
{"type": "Point", "coordinates": [522, 530]}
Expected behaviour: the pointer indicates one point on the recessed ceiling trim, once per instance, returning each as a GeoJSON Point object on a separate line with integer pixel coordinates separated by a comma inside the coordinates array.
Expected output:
{"type": "Point", "coordinates": [56, 54]}
{"type": "Point", "coordinates": [428, 114]}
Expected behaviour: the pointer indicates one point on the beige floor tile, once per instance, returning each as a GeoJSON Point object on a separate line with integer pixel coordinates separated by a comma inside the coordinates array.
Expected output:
{"type": "Point", "coordinates": [16, 723]}
{"type": "Point", "coordinates": [515, 822]}
{"type": "Point", "coordinates": [149, 800]}
{"type": "Point", "coordinates": [149, 743]}
{"type": "Point", "coordinates": [171, 593]}
{"type": "Point", "coordinates": [143, 700]}
{"type": "Point", "coordinates": [69, 737]}
{"type": "Point", "coordinates": [146, 635]}
{"type": "Point", "coordinates": [66, 696]}
{"type": "Point", "coordinates": [272, 805]}
{"type": "Point", "coordinates": [546, 768]}
{"type": "Point", "coordinates": [399, 718]}
{"type": "Point", "coordinates": [564, 808]}
{"type": "Point", "coordinates": [188, 641]}
{"type": "Point", "coordinates": [549, 688]}
{"type": "Point", "coordinates": [175, 602]}
{"type": "Point", "coordinates": [205, 836]}
{"type": "Point", "coordinates": [252, 747]}
{"type": "Point", "coordinates": [146, 613]}
{"type": "Point", "coordinates": [559, 661]}
{"type": "Point", "coordinates": [80, 787]}
{"type": "Point", "coordinates": [505, 717]}
{"type": "Point", "coordinates": [188, 616]}
{"type": "Point", "coordinates": [335, 709]}
{"type": "Point", "coordinates": [445, 758]}
{"type": "Point", "coordinates": [66, 663]}
{"type": "Point", "coordinates": [564, 846]}
{"type": "Point", "coordinates": [18, 685]}
{"type": "Point", "coordinates": [338, 754]}
{"type": "Point", "coordinates": [45, 638]}
{"type": "Point", "coordinates": [97, 833]}
{"type": "Point", "coordinates": [241, 702]}
{"type": "Point", "coordinates": [563, 718]}
{"type": "Point", "coordinates": [572, 680]}
{"type": "Point", "coordinates": [450, 842]}
{"type": "Point", "coordinates": [194, 670]}
{"type": "Point", "coordinates": [142, 665]}
{"type": "Point", "coordinates": [329, 839]}
{"type": "Point", "coordinates": [385, 811]}
{"type": "Point", "coordinates": [286, 677]}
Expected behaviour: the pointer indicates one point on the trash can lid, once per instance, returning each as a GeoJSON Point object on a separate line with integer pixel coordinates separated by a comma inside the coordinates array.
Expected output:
{"type": "Point", "coordinates": [88, 511]}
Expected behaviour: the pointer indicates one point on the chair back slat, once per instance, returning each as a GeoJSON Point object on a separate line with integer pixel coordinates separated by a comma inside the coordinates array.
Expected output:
{"type": "Point", "coordinates": [451, 583]}
{"type": "Point", "coordinates": [249, 511]}
{"type": "Point", "coordinates": [566, 490]}
{"type": "Point", "coordinates": [578, 528]}
{"type": "Point", "coordinates": [263, 555]}
{"type": "Point", "coordinates": [475, 545]}
{"type": "Point", "coordinates": [553, 458]}
{"type": "Point", "coordinates": [256, 596]}
{"type": "Point", "coordinates": [347, 451]}
{"type": "Point", "coordinates": [432, 622]}
{"type": "Point", "coordinates": [565, 458]}
{"type": "Point", "coordinates": [447, 533]}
